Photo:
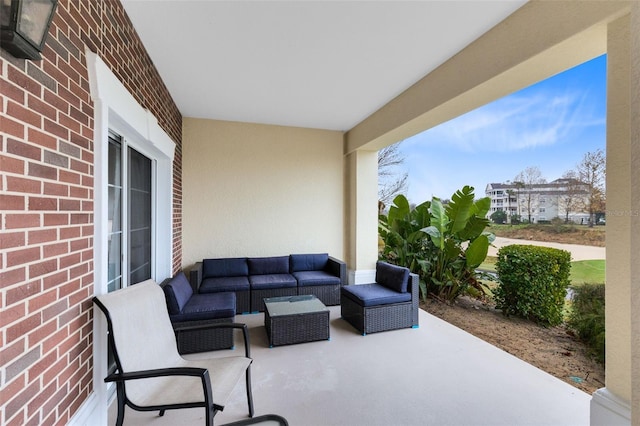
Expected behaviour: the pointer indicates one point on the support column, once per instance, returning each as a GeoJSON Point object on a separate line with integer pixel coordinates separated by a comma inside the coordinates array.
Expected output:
{"type": "Point", "coordinates": [362, 215]}
{"type": "Point", "coordinates": [634, 64]}
{"type": "Point", "coordinates": [611, 405]}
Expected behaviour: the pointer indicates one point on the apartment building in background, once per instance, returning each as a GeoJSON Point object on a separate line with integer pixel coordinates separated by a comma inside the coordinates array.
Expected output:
{"type": "Point", "coordinates": [566, 199]}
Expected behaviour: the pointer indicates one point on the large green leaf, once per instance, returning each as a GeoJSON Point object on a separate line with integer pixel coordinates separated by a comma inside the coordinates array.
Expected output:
{"type": "Point", "coordinates": [482, 206]}
{"type": "Point", "coordinates": [459, 209]}
{"type": "Point", "coordinates": [400, 208]}
{"type": "Point", "coordinates": [477, 251]}
{"type": "Point", "coordinates": [435, 234]}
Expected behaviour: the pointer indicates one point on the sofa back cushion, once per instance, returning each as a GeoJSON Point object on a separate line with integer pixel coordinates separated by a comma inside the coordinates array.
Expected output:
{"type": "Point", "coordinates": [177, 292]}
{"type": "Point", "coordinates": [268, 265]}
{"type": "Point", "coordinates": [228, 267]}
{"type": "Point", "coordinates": [309, 262]}
{"type": "Point", "coordinates": [392, 276]}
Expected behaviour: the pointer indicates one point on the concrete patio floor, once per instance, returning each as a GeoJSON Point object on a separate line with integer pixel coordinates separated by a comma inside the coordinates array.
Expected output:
{"type": "Point", "coordinates": [434, 375]}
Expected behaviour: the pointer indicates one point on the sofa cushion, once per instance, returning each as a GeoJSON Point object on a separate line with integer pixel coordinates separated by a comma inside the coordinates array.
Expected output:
{"type": "Point", "coordinates": [259, 282]}
{"type": "Point", "coordinates": [231, 267]}
{"type": "Point", "coordinates": [373, 295]}
{"type": "Point", "coordinates": [309, 262]}
{"type": "Point", "coordinates": [177, 293]}
{"type": "Point", "coordinates": [268, 265]}
{"type": "Point", "coordinates": [208, 306]}
{"type": "Point", "coordinates": [217, 285]}
{"type": "Point", "coordinates": [392, 276]}
{"type": "Point", "coordinates": [311, 278]}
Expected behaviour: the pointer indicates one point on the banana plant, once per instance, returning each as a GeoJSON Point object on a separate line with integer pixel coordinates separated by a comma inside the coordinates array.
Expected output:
{"type": "Point", "coordinates": [442, 244]}
{"type": "Point", "coordinates": [457, 230]}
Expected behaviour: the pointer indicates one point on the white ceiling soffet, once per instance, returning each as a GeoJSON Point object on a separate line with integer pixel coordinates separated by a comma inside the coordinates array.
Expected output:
{"type": "Point", "coordinates": [316, 64]}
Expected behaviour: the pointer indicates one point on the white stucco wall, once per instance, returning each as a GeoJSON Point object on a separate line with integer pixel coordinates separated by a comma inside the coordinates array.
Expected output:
{"type": "Point", "coordinates": [259, 190]}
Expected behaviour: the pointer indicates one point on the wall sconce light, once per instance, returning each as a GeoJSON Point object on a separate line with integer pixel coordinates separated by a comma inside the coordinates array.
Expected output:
{"type": "Point", "coordinates": [24, 25]}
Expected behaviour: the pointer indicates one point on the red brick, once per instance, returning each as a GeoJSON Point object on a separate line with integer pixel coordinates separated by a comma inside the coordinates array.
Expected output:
{"type": "Point", "coordinates": [78, 192]}
{"type": "Point", "coordinates": [80, 218]}
{"type": "Point", "coordinates": [67, 261]}
{"type": "Point", "coordinates": [56, 219]}
{"type": "Point", "coordinates": [18, 184]}
{"type": "Point", "coordinates": [69, 177]}
{"type": "Point", "coordinates": [21, 399]}
{"type": "Point", "coordinates": [11, 127]}
{"type": "Point", "coordinates": [23, 327]}
{"type": "Point", "coordinates": [71, 232]}
{"type": "Point", "coordinates": [23, 291]}
{"type": "Point", "coordinates": [42, 203]}
{"type": "Point", "coordinates": [40, 334]}
{"type": "Point", "coordinates": [78, 245]}
{"type": "Point", "coordinates": [12, 202]}
{"type": "Point", "coordinates": [53, 311]}
{"type": "Point", "coordinates": [43, 299]}
{"type": "Point", "coordinates": [42, 171]}
{"type": "Point", "coordinates": [41, 108]}
{"type": "Point", "coordinates": [23, 150]}
{"type": "Point", "coordinates": [13, 387]}
{"type": "Point", "coordinates": [56, 189]}
{"type": "Point", "coordinates": [12, 91]}
{"type": "Point", "coordinates": [79, 166]}
{"type": "Point", "coordinates": [55, 340]}
{"type": "Point", "coordinates": [11, 165]}
{"type": "Point", "coordinates": [15, 221]}
{"type": "Point", "coordinates": [34, 406]}
{"type": "Point", "coordinates": [11, 277]}
{"type": "Point", "coordinates": [55, 100]}
{"type": "Point", "coordinates": [41, 138]}
{"type": "Point", "coordinates": [11, 314]}
{"type": "Point", "coordinates": [11, 239]}
{"type": "Point", "coordinates": [52, 281]}
{"type": "Point", "coordinates": [69, 205]}
{"type": "Point", "coordinates": [20, 257]}
{"type": "Point", "coordinates": [56, 129]}
{"type": "Point", "coordinates": [55, 249]}
{"type": "Point", "coordinates": [43, 268]}
{"type": "Point", "coordinates": [22, 80]}
{"type": "Point", "coordinates": [23, 114]}
{"type": "Point", "coordinates": [55, 369]}
{"type": "Point", "coordinates": [42, 236]}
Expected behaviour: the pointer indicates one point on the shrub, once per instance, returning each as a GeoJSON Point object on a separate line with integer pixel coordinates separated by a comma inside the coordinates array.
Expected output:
{"type": "Point", "coordinates": [532, 282]}
{"type": "Point", "coordinates": [586, 317]}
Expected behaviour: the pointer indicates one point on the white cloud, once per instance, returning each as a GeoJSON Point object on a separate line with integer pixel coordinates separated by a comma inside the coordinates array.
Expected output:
{"type": "Point", "coordinates": [517, 122]}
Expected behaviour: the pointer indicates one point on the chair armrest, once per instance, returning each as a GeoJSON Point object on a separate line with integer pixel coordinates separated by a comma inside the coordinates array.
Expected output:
{"type": "Point", "coordinates": [195, 277]}
{"type": "Point", "coordinates": [338, 268]}
{"type": "Point", "coordinates": [414, 284]}
{"type": "Point", "coordinates": [203, 373]}
{"type": "Point", "coordinates": [159, 372]}
{"type": "Point", "coordinates": [236, 325]}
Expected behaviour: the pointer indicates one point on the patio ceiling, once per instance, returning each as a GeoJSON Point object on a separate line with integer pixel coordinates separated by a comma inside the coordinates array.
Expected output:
{"type": "Point", "coordinates": [314, 64]}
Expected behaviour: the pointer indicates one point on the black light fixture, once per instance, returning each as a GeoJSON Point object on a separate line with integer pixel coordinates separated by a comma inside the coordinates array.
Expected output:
{"type": "Point", "coordinates": [24, 25]}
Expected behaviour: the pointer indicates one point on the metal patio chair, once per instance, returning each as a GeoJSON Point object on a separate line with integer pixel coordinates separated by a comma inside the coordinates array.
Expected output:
{"type": "Point", "coordinates": [150, 374]}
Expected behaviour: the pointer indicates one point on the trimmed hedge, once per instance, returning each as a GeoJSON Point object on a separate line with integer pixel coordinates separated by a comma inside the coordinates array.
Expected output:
{"type": "Point", "coordinates": [532, 282]}
{"type": "Point", "coordinates": [587, 317]}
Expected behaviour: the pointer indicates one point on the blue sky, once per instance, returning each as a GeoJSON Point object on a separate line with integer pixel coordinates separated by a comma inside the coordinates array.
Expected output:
{"type": "Point", "coordinates": [551, 125]}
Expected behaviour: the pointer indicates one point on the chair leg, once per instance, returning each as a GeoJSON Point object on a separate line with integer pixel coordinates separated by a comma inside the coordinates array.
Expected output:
{"type": "Point", "coordinates": [161, 413]}
{"type": "Point", "coordinates": [121, 405]}
{"type": "Point", "coordinates": [249, 393]}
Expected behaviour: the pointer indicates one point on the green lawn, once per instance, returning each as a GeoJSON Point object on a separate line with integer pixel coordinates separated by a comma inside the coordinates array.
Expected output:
{"type": "Point", "coordinates": [582, 271]}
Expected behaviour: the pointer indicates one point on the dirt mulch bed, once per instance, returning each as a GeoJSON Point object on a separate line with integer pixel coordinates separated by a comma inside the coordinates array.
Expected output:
{"type": "Point", "coordinates": [584, 235]}
{"type": "Point", "coordinates": [552, 349]}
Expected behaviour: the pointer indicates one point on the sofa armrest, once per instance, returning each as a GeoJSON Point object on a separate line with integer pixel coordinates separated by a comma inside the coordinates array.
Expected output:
{"type": "Point", "coordinates": [414, 287]}
{"type": "Point", "coordinates": [195, 277]}
{"type": "Point", "coordinates": [338, 268]}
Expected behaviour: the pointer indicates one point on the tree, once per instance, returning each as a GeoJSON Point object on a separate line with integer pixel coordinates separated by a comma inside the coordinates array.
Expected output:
{"type": "Point", "coordinates": [499, 216]}
{"type": "Point", "coordinates": [526, 180]}
{"type": "Point", "coordinates": [391, 180]}
{"type": "Point", "coordinates": [591, 171]}
{"type": "Point", "coordinates": [571, 200]}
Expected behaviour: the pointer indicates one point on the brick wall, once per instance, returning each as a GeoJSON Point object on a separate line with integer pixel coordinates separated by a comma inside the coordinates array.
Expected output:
{"type": "Point", "coordinates": [46, 205]}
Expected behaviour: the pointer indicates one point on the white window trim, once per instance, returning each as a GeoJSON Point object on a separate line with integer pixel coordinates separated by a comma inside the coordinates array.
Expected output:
{"type": "Point", "coordinates": [116, 108]}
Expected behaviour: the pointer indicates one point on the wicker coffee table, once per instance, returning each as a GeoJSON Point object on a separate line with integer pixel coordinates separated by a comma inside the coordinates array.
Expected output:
{"type": "Point", "coordinates": [295, 319]}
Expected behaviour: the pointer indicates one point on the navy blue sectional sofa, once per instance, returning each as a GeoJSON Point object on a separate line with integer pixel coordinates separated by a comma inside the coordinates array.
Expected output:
{"type": "Point", "coordinates": [254, 278]}
{"type": "Point", "coordinates": [188, 310]}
